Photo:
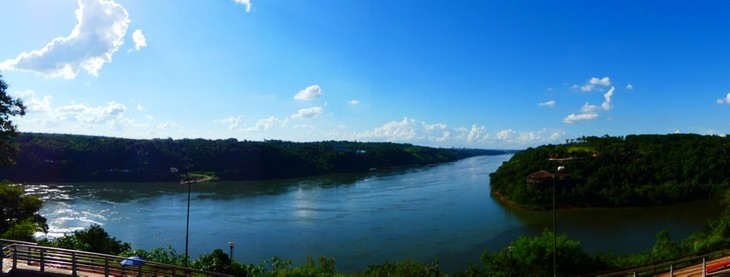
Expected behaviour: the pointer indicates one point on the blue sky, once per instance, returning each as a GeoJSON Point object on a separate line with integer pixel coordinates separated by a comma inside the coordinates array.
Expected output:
{"type": "Point", "coordinates": [487, 74]}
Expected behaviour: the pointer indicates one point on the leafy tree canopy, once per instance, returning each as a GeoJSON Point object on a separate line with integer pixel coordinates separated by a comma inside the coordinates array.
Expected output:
{"type": "Point", "coordinates": [9, 108]}
{"type": "Point", "coordinates": [19, 217]}
{"type": "Point", "coordinates": [636, 170]}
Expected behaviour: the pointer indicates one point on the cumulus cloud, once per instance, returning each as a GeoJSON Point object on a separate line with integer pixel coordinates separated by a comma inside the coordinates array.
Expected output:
{"type": "Point", "coordinates": [246, 3]}
{"type": "Point", "coordinates": [354, 102]}
{"type": "Point", "coordinates": [98, 34]}
{"type": "Point", "coordinates": [594, 84]}
{"type": "Point", "coordinates": [590, 111]}
{"type": "Point", "coordinates": [505, 134]}
{"type": "Point", "coordinates": [310, 93]}
{"type": "Point", "coordinates": [139, 40]}
{"type": "Point", "coordinates": [477, 133]}
{"type": "Point", "coordinates": [41, 111]}
{"type": "Point", "coordinates": [629, 87]}
{"type": "Point", "coordinates": [307, 113]}
{"type": "Point", "coordinates": [725, 100]}
{"type": "Point", "coordinates": [140, 108]}
{"type": "Point", "coordinates": [550, 104]}
{"type": "Point", "coordinates": [265, 124]}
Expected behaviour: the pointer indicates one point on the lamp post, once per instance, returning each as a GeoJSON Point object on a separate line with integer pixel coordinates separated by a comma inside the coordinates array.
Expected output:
{"type": "Point", "coordinates": [509, 248]}
{"type": "Point", "coordinates": [555, 231]}
{"type": "Point", "coordinates": [231, 244]}
{"type": "Point", "coordinates": [187, 221]}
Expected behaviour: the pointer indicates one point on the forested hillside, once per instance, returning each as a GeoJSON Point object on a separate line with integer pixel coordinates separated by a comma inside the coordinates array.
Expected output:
{"type": "Point", "coordinates": [55, 158]}
{"type": "Point", "coordinates": [636, 170]}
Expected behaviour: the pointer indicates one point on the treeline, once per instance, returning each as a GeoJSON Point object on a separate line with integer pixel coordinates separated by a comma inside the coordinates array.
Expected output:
{"type": "Point", "coordinates": [636, 170]}
{"type": "Point", "coordinates": [56, 158]}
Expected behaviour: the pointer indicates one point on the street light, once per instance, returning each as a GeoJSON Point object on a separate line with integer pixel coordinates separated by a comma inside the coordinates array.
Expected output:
{"type": "Point", "coordinates": [231, 244]}
{"type": "Point", "coordinates": [510, 258]}
{"type": "Point", "coordinates": [187, 222]}
{"type": "Point", "coordinates": [555, 231]}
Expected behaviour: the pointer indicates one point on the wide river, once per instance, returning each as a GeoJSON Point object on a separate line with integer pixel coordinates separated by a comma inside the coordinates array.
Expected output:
{"type": "Point", "coordinates": [443, 211]}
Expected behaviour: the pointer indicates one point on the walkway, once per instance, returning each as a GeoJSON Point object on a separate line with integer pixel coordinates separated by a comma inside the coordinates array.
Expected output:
{"type": "Point", "coordinates": [63, 262]}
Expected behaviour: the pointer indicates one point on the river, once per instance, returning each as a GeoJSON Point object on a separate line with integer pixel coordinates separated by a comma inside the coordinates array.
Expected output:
{"type": "Point", "coordinates": [442, 211]}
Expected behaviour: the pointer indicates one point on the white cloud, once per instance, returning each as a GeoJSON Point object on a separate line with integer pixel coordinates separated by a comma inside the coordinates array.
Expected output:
{"type": "Point", "coordinates": [593, 83]}
{"type": "Point", "coordinates": [265, 124]}
{"type": "Point", "coordinates": [307, 113]}
{"type": "Point", "coordinates": [140, 108]}
{"type": "Point", "coordinates": [246, 3]}
{"type": "Point", "coordinates": [629, 87]}
{"type": "Point", "coordinates": [100, 31]}
{"type": "Point", "coordinates": [353, 102]}
{"type": "Point", "coordinates": [607, 105]}
{"type": "Point", "coordinates": [505, 134]}
{"type": "Point", "coordinates": [590, 111]}
{"type": "Point", "coordinates": [550, 104]}
{"type": "Point", "coordinates": [725, 100]}
{"type": "Point", "coordinates": [310, 93]}
{"type": "Point", "coordinates": [413, 131]}
{"type": "Point", "coordinates": [233, 122]}
{"type": "Point", "coordinates": [139, 40]}
{"type": "Point", "coordinates": [33, 103]}
{"type": "Point", "coordinates": [477, 133]}
{"type": "Point", "coordinates": [572, 118]}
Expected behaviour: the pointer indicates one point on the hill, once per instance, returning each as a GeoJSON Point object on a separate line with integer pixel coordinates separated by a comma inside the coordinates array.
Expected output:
{"type": "Point", "coordinates": [64, 158]}
{"type": "Point", "coordinates": [636, 170]}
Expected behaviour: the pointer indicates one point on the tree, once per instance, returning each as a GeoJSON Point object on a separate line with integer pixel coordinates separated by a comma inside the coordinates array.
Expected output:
{"type": "Point", "coordinates": [19, 218]}
{"type": "Point", "coordinates": [94, 239]}
{"type": "Point", "coordinates": [533, 256]}
{"type": "Point", "coordinates": [9, 107]}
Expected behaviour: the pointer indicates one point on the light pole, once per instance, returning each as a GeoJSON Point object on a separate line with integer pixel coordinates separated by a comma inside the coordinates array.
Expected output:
{"type": "Point", "coordinates": [231, 244]}
{"type": "Point", "coordinates": [555, 231]}
{"type": "Point", "coordinates": [510, 258]}
{"type": "Point", "coordinates": [187, 222]}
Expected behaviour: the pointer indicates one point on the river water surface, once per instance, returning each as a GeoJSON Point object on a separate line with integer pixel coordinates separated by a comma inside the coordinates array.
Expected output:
{"type": "Point", "coordinates": [443, 211]}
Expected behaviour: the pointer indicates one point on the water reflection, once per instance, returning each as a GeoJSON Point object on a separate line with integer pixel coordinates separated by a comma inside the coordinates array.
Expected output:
{"type": "Point", "coordinates": [419, 213]}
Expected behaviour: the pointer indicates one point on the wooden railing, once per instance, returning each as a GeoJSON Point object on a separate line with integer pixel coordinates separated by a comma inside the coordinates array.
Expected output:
{"type": "Point", "coordinates": [30, 256]}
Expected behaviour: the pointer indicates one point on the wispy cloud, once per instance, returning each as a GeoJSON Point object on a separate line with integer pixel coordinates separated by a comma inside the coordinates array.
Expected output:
{"type": "Point", "coordinates": [725, 100]}
{"type": "Point", "coordinates": [550, 104]}
{"type": "Point", "coordinates": [353, 102]}
{"type": "Point", "coordinates": [100, 31]}
{"type": "Point", "coordinates": [246, 3]}
{"type": "Point", "coordinates": [310, 93]}
{"type": "Point", "coordinates": [233, 122]}
{"type": "Point", "coordinates": [629, 87]}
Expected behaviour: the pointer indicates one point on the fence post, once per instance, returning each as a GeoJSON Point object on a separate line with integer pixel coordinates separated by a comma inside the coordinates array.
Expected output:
{"type": "Point", "coordinates": [106, 266]}
{"type": "Point", "coordinates": [73, 263]}
{"type": "Point", "coordinates": [43, 262]}
{"type": "Point", "coordinates": [15, 256]}
{"type": "Point", "coordinates": [671, 270]}
{"type": "Point", "coordinates": [703, 267]}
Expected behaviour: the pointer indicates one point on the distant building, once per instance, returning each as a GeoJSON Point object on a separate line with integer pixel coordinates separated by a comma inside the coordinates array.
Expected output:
{"type": "Point", "coordinates": [542, 179]}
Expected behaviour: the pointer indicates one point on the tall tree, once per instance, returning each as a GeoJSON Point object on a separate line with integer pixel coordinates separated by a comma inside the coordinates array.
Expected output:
{"type": "Point", "coordinates": [9, 107]}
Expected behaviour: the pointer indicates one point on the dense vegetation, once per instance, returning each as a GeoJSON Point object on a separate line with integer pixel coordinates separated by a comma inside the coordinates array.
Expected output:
{"type": "Point", "coordinates": [54, 158]}
{"type": "Point", "coordinates": [636, 170]}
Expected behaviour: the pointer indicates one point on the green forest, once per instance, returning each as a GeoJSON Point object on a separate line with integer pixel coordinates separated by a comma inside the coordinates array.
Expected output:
{"type": "Point", "coordinates": [636, 170]}
{"type": "Point", "coordinates": [65, 158]}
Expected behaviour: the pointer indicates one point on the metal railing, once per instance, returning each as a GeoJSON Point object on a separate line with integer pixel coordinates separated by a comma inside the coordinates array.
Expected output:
{"type": "Point", "coordinates": [28, 256]}
{"type": "Point", "coordinates": [668, 266]}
